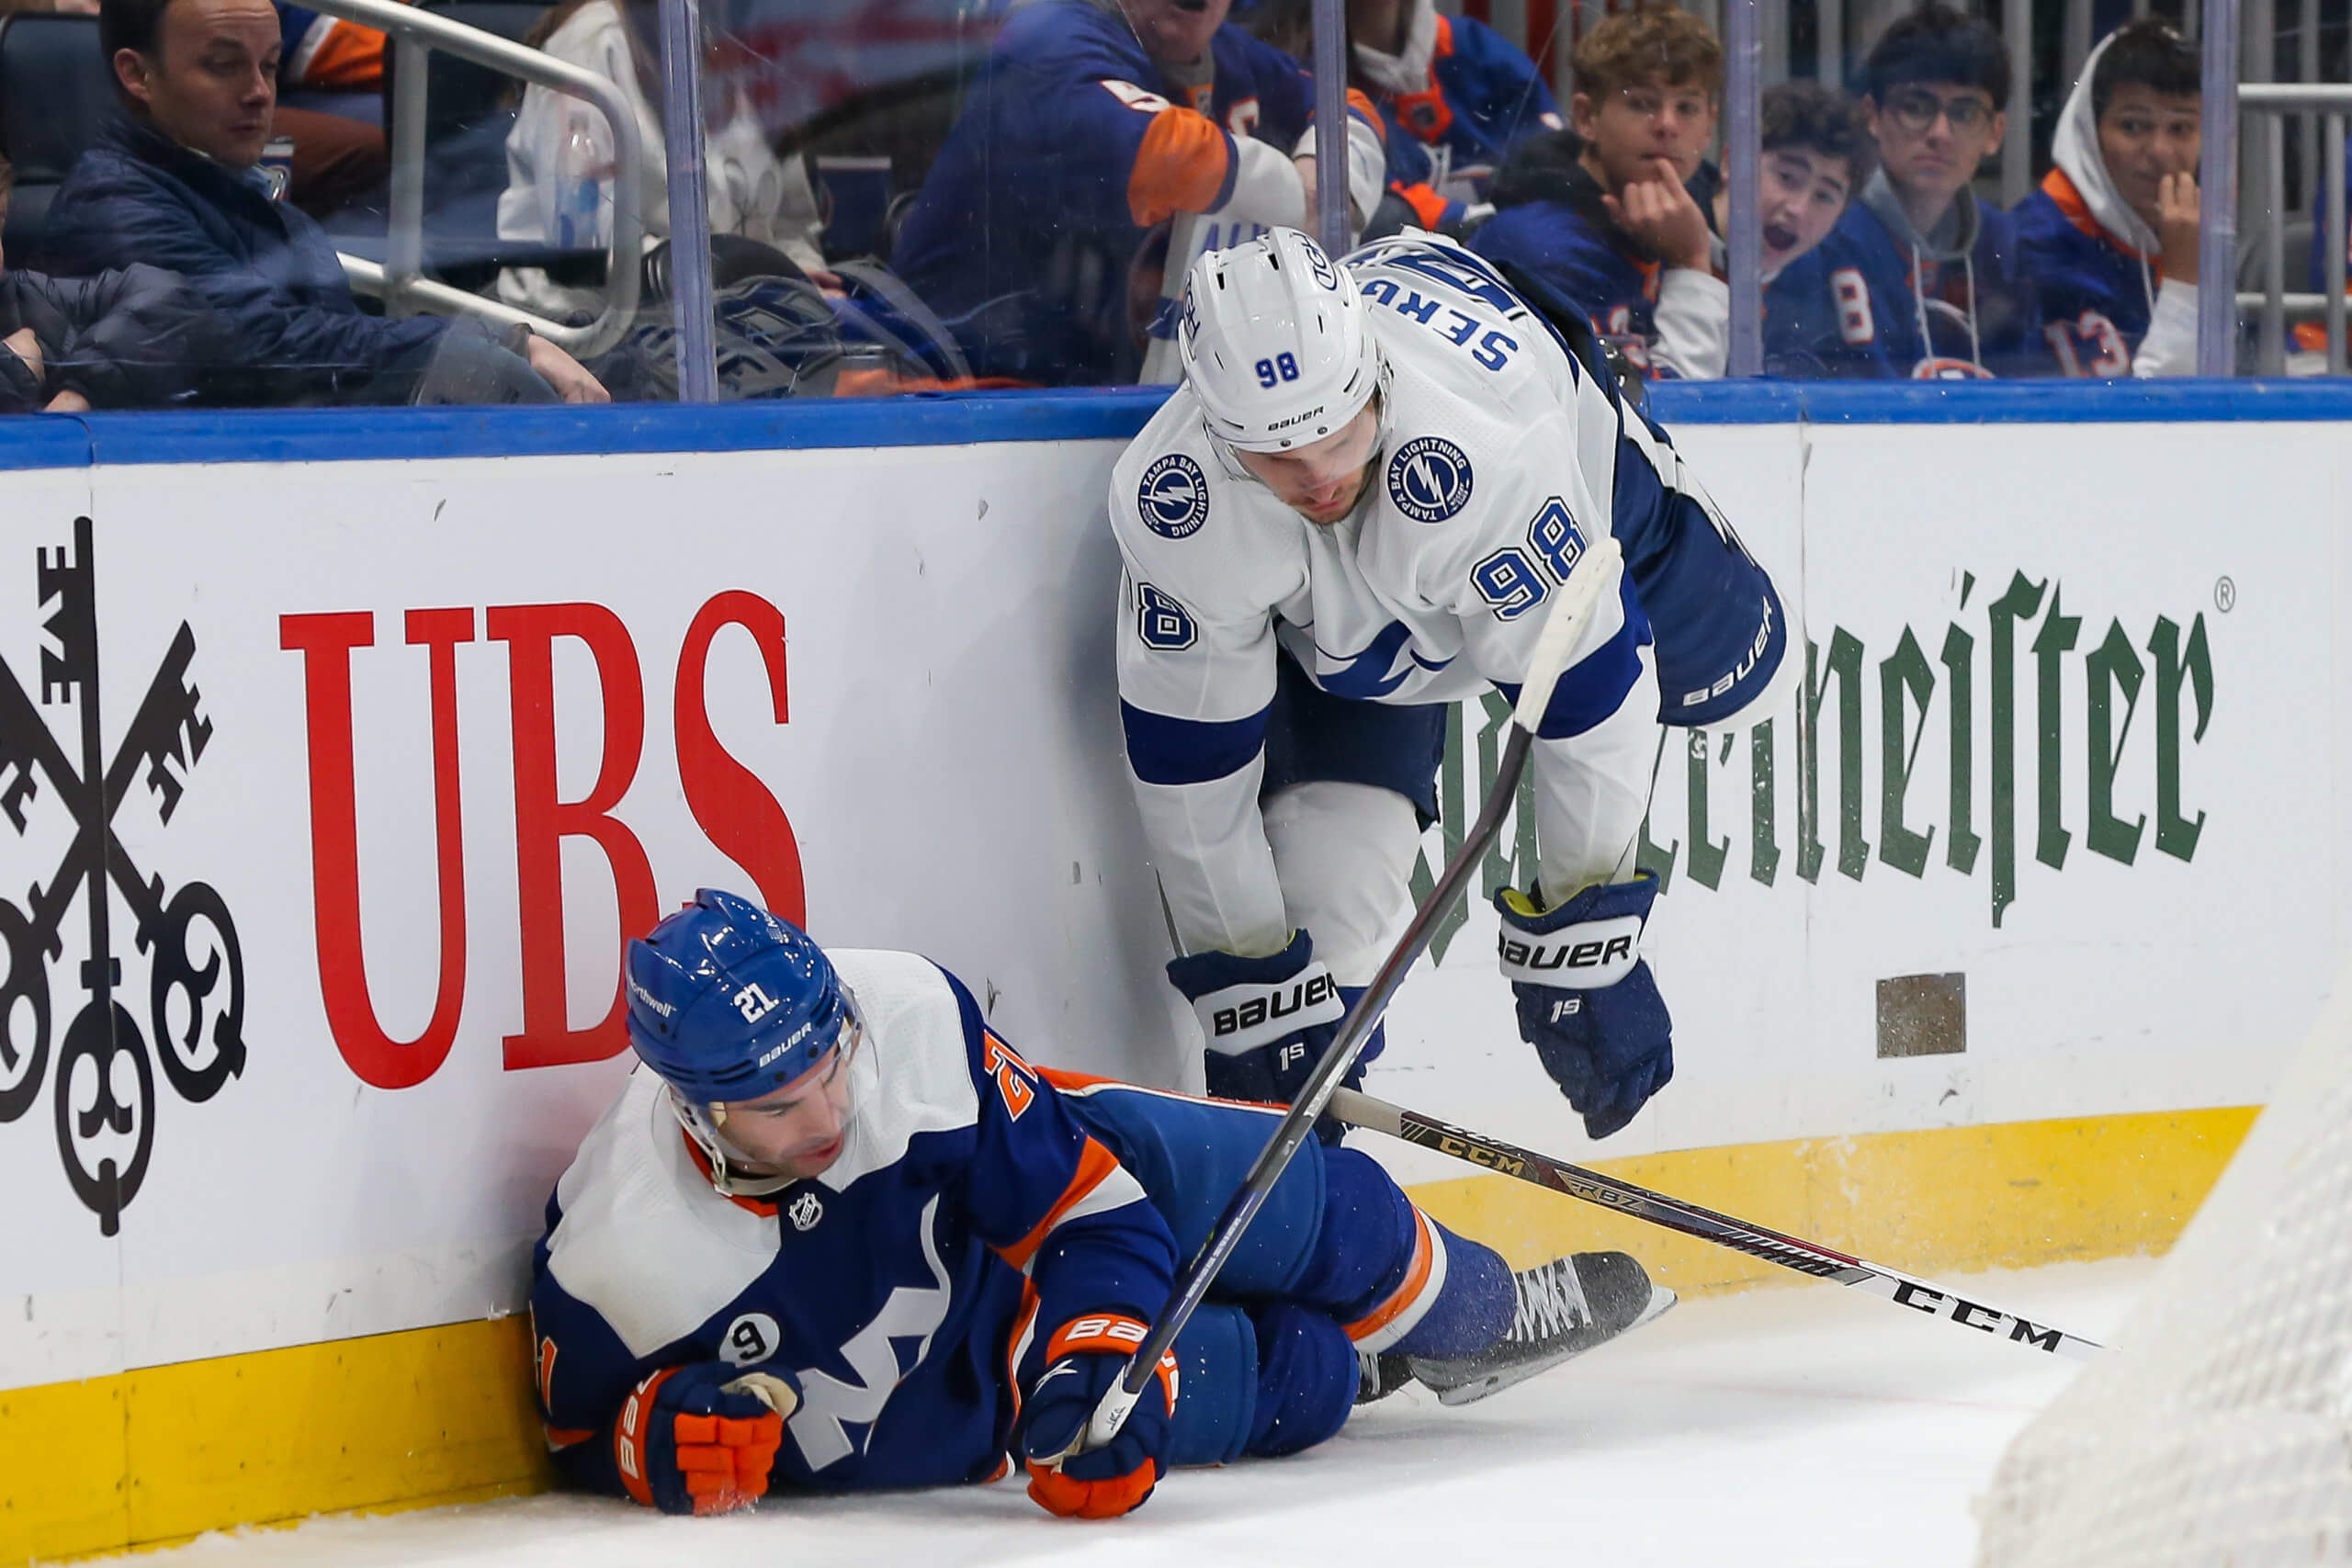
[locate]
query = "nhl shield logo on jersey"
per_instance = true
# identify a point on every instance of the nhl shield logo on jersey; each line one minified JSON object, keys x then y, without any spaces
{"x":1173,"y":497}
{"x":805,"y":1212}
{"x":1428,"y":479}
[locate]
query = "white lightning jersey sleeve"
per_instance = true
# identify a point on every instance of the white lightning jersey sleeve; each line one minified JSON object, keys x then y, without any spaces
{"x":1498,"y":461}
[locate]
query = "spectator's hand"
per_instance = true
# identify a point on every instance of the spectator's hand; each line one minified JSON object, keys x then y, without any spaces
{"x":566,"y":374}
{"x":68,"y":402}
{"x":27,"y":347}
{"x":830,"y":284}
{"x":2178,"y":225}
{"x":1660,"y":214}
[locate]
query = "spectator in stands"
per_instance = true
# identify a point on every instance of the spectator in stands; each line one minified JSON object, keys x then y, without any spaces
{"x":175,"y":181}
{"x":1095,"y":123}
{"x":1816,"y":156}
{"x":1606,"y":212}
{"x":559,"y":168}
{"x":2110,"y":238}
{"x":1455,"y":93}
{"x":335,"y":159}
{"x":1948,"y":294}
{"x":127,"y":339}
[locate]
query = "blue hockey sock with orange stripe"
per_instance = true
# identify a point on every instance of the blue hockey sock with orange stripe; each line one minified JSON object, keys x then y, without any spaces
{"x":1395,"y":1278}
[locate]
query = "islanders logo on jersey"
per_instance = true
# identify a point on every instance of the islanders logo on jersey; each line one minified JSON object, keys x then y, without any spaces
{"x":1173,"y":497}
{"x":1429,"y":479}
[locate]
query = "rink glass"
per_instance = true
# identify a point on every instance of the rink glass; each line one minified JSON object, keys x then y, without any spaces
{"x":879,"y":226}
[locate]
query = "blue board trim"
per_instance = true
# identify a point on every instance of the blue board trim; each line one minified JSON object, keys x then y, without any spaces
{"x":298,"y":435}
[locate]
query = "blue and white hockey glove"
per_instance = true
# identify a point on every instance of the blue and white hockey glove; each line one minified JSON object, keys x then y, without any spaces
{"x":1266,"y":1020}
{"x":1083,"y":1359}
{"x":701,"y":1439}
{"x":1587,"y":1001}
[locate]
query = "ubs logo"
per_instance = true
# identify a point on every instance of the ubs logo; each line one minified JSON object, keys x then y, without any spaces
{"x":1428,"y":479}
{"x":104,"y":1096}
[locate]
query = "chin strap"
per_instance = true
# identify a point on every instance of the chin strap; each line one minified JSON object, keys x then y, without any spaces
{"x":725,"y":1180}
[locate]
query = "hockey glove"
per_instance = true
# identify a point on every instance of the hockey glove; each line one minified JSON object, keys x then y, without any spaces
{"x":1266,"y":1020}
{"x":1587,"y":1001}
{"x":1082,"y":1363}
{"x":700,"y":1439}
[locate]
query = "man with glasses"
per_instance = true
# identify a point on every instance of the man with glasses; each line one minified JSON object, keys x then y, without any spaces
{"x":1929,"y":280}
{"x":1614,"y":213}
{"x":839,"y":1237}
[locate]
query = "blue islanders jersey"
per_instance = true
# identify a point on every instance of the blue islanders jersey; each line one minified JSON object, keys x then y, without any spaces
{"x":1819,"y":323}
{"x":1072,"y":146}
{"x":968,"y":1215}
{"x":2094,"y":290}
{"x":1668,"y":322}
{"x":1967,"y":318}
{"x":1483,"y":97}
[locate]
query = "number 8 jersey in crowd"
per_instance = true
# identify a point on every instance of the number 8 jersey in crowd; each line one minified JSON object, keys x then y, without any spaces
{"x":1502,"y":455}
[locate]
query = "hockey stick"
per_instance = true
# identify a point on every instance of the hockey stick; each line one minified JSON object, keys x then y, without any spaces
{"x":1586,"y":581}
{"x":1640,"y":1204}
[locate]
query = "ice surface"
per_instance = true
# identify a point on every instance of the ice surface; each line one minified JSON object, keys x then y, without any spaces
{"x":1798,"y":1427}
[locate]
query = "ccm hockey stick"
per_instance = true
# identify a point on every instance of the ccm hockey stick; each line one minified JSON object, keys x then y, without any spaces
{"x":1640,"y":1204}
{"x":1591,"y":575}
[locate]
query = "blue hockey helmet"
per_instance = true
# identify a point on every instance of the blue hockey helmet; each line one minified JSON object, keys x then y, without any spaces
{"x":727,"y":1003}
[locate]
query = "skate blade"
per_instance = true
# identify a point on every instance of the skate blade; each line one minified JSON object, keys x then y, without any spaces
{"x":1494,"y":1383}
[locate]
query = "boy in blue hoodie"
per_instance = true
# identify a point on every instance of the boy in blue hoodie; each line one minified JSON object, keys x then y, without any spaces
{"x":2112,"y":236}
{"x":1933,"y":277}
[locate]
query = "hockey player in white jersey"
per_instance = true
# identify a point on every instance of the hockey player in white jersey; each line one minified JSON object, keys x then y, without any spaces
{"x":1374,"y":478}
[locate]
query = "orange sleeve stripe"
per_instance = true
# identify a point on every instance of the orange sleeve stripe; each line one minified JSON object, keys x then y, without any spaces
{"x":1427,"y":205}
{"x":1096,"y":1164}
{"x":350,"y":57}
{"x":1361,"y":101}
{"x":1417,"y":1276}
{"x":1182,"y":166}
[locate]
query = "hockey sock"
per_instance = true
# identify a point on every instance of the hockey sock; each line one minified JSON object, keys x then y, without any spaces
{"x":1307,"y":1378}
{"x":1395,"y":1278}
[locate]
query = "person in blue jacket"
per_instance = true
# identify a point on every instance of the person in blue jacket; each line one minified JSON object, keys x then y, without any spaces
{"x":1616,"y":214}
{"x":176,"y":182}
{"x":1106,"y":142}
{"x":2112,"y":236}
{"x":1944,"y":290}
{"x":836,"y":1235}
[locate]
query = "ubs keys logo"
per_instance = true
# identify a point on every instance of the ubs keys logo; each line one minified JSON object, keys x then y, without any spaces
{"x":105,"y":1079}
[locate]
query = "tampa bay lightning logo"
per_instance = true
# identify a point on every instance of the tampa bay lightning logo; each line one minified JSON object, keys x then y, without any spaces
{"x":1429,"y":479}
{"x":1173,"y":497}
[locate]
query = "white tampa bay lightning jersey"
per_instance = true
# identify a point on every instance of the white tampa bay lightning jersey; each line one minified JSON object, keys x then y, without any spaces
{"x":1499,"y":459}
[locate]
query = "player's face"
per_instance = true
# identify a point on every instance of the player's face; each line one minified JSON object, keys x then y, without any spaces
{"x":2145,"y":135}
{"x":1799,"y":199}
{"x":212,"y":85}
{"x":796,"y":1131}
{"x":1322,"y":481}
{"x":1625,"y":130}
{"x":1175,"y":31}
{"x":1931,"y":136}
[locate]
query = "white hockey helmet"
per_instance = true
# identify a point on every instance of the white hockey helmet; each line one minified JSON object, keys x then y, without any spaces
{"x":1276,"y":343}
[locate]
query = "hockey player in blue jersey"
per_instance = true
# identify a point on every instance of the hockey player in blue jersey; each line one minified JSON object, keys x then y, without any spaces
{"x":1932,"y":278}
{"x":2112,"y":236}
{"x":837,"y":1235}
{"x":1376,"y":474}
{"x":1606,"y":214}
{"x":1095,"y":122}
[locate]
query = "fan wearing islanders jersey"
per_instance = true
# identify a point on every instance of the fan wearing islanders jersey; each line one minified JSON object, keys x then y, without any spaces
{"x":1456,"y":96}
{"x":1036,"y":235}
{"x":2112,"y":236}
{"x":836,"y":1235}
{"x":1358,"y":506}
{"x":1614,"y":213}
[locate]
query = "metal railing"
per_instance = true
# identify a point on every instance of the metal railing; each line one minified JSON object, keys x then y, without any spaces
{"x":398,"y":279}
{"x":2275,"y":102}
